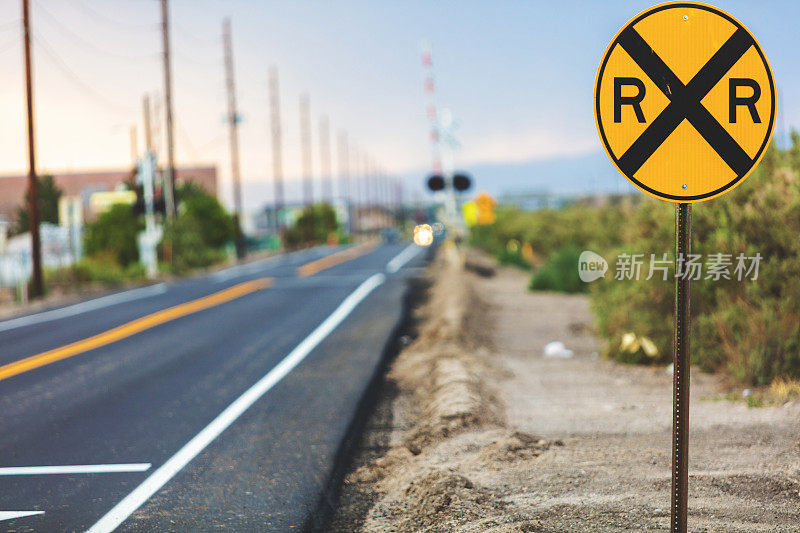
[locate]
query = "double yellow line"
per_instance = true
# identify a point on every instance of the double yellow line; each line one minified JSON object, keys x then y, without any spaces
{"x":134,"y":327}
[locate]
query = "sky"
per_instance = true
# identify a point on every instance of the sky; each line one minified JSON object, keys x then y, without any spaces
{"x":517,"y":75}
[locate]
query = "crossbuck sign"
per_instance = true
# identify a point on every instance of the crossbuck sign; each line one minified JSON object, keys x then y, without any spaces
{"x":685,"y":102}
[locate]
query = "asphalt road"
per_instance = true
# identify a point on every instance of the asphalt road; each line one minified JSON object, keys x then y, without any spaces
{"x":213,"y":402}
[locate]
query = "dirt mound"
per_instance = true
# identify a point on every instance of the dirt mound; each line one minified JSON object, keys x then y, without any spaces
{"x":515,"y":446}
{"x":453,"y":428}
{"x":439,"y":501}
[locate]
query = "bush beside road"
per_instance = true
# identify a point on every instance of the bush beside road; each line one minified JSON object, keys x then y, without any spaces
{"x":750,"y":330}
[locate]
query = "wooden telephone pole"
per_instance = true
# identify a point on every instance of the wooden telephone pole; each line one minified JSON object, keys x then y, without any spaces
{"x":325,"y":159}
{"x":37,"y":283}
{"x":148,"y":134}
{"x":344,"y":177}
{"x":233,"y":120}
{"x":277,"y":144}
{"x":305,"y":140}
{"x":169,"y":176}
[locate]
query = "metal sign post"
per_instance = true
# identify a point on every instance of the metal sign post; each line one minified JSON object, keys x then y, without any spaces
{"x":681,"y":364}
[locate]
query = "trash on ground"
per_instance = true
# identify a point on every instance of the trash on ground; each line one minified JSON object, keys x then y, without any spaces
{"x":557,"y":350}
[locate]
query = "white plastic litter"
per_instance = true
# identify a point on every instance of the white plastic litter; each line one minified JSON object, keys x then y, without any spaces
{"x":557,"y":350}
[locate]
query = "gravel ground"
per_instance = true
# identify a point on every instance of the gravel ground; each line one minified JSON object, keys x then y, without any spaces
{"x":578,"y":444}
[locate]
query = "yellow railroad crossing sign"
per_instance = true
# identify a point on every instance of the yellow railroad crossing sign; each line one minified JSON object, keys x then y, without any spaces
{"x":685,"y":101}
{"x":485,"y":209}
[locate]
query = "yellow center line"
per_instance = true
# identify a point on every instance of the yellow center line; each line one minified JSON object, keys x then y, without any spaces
{"x":134,"y":327}
{"x":335,"y":259}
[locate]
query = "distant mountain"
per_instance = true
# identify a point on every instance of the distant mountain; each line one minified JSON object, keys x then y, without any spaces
{"x":582,"y":175}
{"x":575,"y":175}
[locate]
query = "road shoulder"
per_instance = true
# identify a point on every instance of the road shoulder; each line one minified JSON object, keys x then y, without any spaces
{"x":477,"y":431}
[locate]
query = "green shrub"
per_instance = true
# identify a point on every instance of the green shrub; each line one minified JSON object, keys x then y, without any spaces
{"x":101,"y":268}
{"x":198,"y":236}
{"x":748,"y":329}
{"x":559,"y":273}
{"x":183,"y":238}
{"x":114,"y":233}
{"x":512,"y":257}
{"x":314,"y":226}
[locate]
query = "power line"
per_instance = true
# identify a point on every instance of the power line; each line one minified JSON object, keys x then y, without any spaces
{"x":186,"y":140}
{"x":4,"y":47}
{"x":88,"y":89}
{"x":192,"y":36}
{"x":88,"y":44}
{"x":109,"y":20}
{"x":216,"y":141}
{"x":11,"y":24}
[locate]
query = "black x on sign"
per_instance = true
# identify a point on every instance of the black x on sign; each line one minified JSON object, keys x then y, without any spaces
{"x":685,"y":101}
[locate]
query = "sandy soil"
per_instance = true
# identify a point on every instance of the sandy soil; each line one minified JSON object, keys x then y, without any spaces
{"x":477,"y":431}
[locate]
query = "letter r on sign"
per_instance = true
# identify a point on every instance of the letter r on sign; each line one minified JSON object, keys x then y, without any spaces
{"x":634,"y":101}
{"x":748,"y":101}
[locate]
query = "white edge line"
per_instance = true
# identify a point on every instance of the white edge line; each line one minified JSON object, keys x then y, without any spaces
{"x":11,"y":515}
{"x":128,"y":505}
{"x":73,"y":469}
{"x":83,"y":307}
{"x":402,"y":258}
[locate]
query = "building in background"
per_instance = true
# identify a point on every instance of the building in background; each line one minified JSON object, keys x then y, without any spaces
{"x":84,"y":184}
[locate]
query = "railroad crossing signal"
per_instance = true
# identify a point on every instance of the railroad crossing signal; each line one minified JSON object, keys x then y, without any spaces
{"x":685,"y":107}
{"x":685,"y":102}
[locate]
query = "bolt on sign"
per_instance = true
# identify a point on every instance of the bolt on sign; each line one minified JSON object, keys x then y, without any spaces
{"x":685,"y":102}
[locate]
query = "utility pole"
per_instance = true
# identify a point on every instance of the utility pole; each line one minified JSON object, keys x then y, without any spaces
{"x":233,"y":120}
{"x":148,"y":241}
{"x":356,"y":190}
{"x":365,"y":168}
{"x":169,"y":175}
{"x":158,"y":126}
{"x":37,"y":284}
{"x":277,"y":146}
{"x":325,"y":159}
{"x":305,"y":140}
{"x":148,"y":133}
{"x":387,"y":196}
{"x":134,"y":145}
{"x":344,"y":176}
{"x":400,"y":211}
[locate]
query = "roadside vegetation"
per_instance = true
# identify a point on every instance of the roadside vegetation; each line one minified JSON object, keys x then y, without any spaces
{"x":748,"y":329}
{"x":316,"y":225}
{"x":200,"y":236}
{"x":49,"y":195}
{"x":197,"y":238}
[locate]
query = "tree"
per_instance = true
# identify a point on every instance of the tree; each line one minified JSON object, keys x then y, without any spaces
{"x":200,"y":231}
{"x":114,"y":233}
{"x":49,"y":195}
{"x":203,"y":210}
{"x":313,"y":226}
